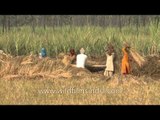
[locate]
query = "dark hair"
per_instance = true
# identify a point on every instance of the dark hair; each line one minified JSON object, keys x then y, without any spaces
{"x":110,"y":48}
{"x":72,"y":52}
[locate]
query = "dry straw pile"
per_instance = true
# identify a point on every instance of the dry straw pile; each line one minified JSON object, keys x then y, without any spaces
{"x":137,"y":57}
{"x":31,"y":67}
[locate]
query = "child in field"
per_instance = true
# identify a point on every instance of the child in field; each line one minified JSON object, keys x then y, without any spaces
{"x":109,"y":62}
{"x":125,"y":68}
{"x":81,"y":59}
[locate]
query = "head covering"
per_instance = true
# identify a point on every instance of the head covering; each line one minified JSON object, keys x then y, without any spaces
{"x":82,"y":50}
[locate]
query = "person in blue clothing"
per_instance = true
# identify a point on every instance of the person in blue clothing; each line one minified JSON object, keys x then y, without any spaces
{"x":43,"y":53}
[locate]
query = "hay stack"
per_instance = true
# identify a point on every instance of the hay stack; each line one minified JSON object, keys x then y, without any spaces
{"x":137,"y":57}
{"x":31,"y":67}
{"x":4,"y":57}
{"x":66,"y":60}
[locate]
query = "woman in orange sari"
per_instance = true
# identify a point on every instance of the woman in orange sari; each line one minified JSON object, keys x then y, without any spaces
{"x":125,"y":68}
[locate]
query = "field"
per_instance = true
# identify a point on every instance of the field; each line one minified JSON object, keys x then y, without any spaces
{"x":77,"y":92}
{"x":48,"y":81}
{"x":22,"y":41}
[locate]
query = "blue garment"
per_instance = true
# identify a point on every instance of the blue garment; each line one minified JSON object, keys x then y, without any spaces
{"x":43,"y":52}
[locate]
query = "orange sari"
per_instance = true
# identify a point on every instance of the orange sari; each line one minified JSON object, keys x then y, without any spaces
{"x":125,"y":68}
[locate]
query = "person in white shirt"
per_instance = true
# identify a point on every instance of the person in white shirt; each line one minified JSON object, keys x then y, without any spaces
{"x":81,"y":59}
{"x":109,"y":62}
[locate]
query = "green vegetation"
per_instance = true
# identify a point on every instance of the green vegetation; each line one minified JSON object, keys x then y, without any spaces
{"x":22,"y":40}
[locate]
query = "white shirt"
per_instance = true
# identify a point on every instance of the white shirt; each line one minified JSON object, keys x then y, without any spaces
{"x":109,"y":62}
{"x":81,"y":59}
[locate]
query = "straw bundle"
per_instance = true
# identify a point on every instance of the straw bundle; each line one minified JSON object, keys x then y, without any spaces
{"x":66,"y":60}
{"x":137,"y":57}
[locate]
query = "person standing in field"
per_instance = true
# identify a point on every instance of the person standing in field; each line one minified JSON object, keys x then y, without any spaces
{"x":109,"y":62}
{"x":72,"y":56}
{"x":125,"y":66}
{"x":81,"y":59}
{"x":43,"y":53}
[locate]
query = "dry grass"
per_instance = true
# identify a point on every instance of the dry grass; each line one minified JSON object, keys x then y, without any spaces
{"x":137,"y":57}
{"x":31,"y":67}
{"x":30,"y":80}
{"x":90,"y":90}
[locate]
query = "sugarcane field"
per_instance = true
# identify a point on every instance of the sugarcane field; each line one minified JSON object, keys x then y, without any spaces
{"x":79,"y":60}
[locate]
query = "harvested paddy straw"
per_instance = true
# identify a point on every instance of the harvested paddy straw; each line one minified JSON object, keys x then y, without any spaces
{"x":32,"y":67}
{"x":137,"y":57}
{"x":151,"y":68}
